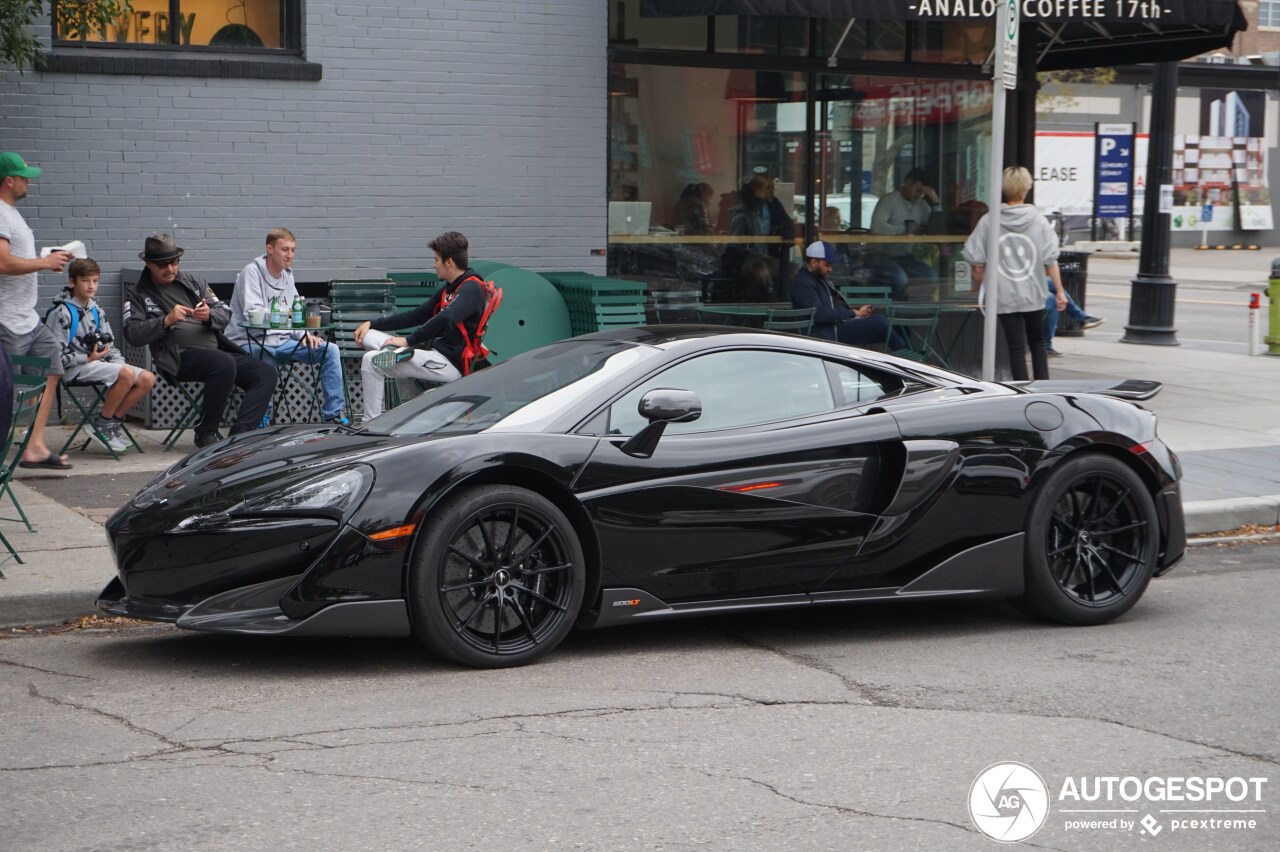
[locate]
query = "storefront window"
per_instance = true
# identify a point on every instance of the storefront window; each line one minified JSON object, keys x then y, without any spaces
{"x":714,"y":190}
{"x":628,"y":29}
{"x":867,"y":41}
{"x":227,"y":24}
{"x":767,"y":35}
{"x":952,"y":43}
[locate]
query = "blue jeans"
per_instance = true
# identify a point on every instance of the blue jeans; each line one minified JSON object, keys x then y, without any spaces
{"x":1051,"y":314}
{"x":330,"y":369}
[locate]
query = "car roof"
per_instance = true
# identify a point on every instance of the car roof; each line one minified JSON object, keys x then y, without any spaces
{"x":674,"y":338}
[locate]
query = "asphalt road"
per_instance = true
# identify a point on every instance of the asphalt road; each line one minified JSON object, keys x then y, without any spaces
{"x":1209,"y":318}
{"x":840,"y":728}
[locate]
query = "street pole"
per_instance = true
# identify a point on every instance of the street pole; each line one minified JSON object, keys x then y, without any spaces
{"x":1152,"y":293}
{"x":995,"y":191}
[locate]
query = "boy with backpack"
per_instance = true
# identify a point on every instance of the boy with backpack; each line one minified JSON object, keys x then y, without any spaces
{"x":447,"y":341}
{"x":87,"y":354}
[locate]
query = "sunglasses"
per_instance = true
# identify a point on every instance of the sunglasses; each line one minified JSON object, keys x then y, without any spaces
{"x":164,"y":264}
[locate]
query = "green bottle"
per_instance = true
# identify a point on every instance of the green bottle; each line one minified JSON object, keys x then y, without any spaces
{"x":275,"y":312}
{"x":296,"y":310}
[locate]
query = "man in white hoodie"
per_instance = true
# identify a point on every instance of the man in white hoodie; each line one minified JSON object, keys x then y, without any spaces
{"x":271,"y":277}
{"x":1028,"y":252}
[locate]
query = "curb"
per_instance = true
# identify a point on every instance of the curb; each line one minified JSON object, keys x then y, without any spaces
{"x":1209,"y":516}
{"x":44,"y":608}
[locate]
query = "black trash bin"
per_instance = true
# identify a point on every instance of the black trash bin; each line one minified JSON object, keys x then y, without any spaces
{"x":1074,"y":268}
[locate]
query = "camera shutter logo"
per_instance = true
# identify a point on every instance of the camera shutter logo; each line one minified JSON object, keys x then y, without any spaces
{"x":1008,"y":802}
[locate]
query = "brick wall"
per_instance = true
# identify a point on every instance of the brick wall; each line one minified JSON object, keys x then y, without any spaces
{"x":485,"y":116}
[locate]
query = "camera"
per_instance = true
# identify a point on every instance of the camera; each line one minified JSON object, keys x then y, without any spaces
{"x":95,"y":340}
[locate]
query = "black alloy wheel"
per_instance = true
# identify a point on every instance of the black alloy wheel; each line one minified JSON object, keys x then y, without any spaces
{"x":497,"y":579}
{"x":1092,"y":542}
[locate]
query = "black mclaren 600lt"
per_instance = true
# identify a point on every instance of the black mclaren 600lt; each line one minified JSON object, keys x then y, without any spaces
{"x":651,"y":473}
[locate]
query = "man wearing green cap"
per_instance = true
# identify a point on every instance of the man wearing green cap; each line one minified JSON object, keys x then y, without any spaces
{"x":21,"y":331}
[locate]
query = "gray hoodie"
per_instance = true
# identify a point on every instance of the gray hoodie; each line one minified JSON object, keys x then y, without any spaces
{"x":1028,"y":246}
{"x":66,"y":313}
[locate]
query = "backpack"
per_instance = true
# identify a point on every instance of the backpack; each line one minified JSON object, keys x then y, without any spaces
{"x":75,"y":313}
{"x":474,"y":352}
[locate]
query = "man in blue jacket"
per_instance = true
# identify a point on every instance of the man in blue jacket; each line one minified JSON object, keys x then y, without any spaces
{"x":434,"y":352}
{"x":833,"y":318}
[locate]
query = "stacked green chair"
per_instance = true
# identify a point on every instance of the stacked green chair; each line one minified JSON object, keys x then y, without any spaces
{"x":352,"y":303}
{"x":596,"y":303}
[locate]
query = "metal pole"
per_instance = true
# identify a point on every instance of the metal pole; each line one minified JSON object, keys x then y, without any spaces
{"x":1152,"y":292}
{"x":991,"y":277}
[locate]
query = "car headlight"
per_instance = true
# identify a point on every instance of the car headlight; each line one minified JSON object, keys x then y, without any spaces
{"x":338,"y":491}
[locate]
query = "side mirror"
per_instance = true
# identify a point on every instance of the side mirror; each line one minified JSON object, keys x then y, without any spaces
{"x":661,"y":406}
{"x":670,"y":405}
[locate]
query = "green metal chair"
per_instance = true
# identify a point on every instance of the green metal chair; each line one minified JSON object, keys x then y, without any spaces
{"x":191,"y":410}
{"x":29,"y":383}
{"x":87,"y":413}
{"x":676,"y":305}
{"x":858,"y":295}
{"x":919,"y":324}
{"x":794,"y":320}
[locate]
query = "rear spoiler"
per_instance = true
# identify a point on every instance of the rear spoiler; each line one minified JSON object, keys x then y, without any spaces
{"x":1134,"y":389}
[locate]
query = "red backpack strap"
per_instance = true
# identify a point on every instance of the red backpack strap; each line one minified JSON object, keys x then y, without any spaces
{"x":473,"y":348}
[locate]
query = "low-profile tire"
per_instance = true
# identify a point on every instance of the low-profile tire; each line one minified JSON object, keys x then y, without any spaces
{"x":1092,"y":542}
{"x":497,"y":577}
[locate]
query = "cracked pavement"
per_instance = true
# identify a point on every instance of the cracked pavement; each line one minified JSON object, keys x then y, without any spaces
{"x":834,"y":728}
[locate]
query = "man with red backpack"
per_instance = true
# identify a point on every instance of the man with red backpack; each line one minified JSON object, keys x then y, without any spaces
{"x":446,"y":342}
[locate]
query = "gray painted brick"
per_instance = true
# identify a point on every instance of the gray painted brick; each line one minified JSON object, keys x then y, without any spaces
{"x":482,"y":115}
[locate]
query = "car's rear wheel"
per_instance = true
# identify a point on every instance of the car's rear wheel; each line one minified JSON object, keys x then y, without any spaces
{"x":1092,"y":542}
{"x":497,"y":577}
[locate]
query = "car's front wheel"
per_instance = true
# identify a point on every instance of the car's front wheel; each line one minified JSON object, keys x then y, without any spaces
{"x":1092,"y":542}
{"x":497,"y":577}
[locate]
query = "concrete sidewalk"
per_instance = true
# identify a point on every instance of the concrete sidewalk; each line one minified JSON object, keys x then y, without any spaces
{"x":1219,"y":411}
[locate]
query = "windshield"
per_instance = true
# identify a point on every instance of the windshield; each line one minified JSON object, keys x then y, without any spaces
{"x":522,"y":394}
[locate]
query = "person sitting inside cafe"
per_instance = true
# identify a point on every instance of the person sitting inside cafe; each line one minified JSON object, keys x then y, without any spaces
{"x":906,"y":212}
{"x":833,"y":317}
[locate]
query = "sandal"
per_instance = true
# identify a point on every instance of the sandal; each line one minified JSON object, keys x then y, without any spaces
{"x":51,"y":461}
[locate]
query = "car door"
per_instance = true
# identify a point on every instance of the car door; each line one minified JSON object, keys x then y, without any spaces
{"x":765,"y":494}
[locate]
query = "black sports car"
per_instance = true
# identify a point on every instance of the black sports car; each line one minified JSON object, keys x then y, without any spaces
{"x":652,"y":473}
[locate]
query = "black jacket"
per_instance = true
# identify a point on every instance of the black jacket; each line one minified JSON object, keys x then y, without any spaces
{"x":810,"y":291}
{"x":439,"y":331}
{"x":144,"y":318}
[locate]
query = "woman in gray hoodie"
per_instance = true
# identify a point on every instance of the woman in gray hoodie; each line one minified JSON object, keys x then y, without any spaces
{"x":1028,"y":251}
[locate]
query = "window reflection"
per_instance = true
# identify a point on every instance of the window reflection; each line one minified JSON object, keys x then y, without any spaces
{"x":231,"y":24}
{"x":730,"y":386}
{"x":712,"y":190}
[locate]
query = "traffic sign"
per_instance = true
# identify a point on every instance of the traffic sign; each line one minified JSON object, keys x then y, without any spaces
{"x":1009,"y":69}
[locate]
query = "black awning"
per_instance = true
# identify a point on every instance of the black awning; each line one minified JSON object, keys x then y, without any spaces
{"x":1078,"y":33}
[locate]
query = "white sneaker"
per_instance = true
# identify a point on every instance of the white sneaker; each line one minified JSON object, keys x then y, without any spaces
{"x":115,"y":440}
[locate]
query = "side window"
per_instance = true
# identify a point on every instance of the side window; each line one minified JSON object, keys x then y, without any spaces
{"x":858,"y":387}
{"x":740,"y":388}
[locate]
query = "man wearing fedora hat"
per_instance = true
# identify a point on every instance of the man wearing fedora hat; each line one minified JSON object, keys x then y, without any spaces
{"x":21,"y":331}
{"x":182,"y":320}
